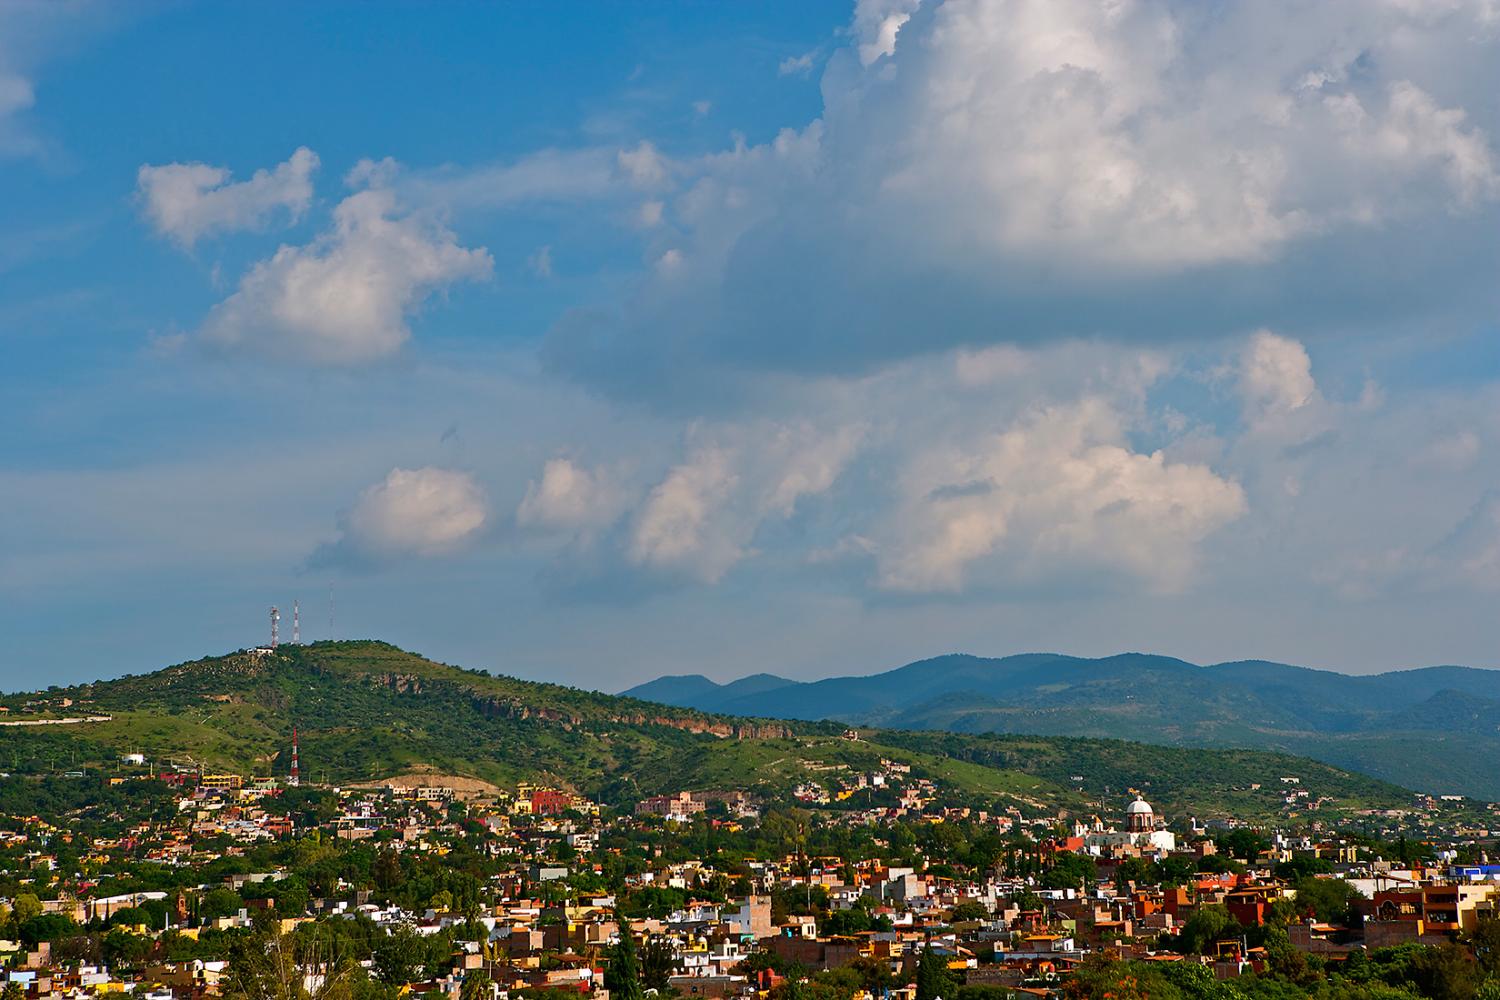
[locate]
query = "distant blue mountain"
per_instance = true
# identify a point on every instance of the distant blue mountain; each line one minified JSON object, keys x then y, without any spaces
{"x":1434,"y":728}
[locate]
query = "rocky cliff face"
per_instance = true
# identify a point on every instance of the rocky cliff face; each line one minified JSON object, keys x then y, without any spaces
{"x":492,"y":706}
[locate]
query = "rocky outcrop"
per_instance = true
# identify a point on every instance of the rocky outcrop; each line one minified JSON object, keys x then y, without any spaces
{"x":400,"y":683}
{"x":493,"y":706}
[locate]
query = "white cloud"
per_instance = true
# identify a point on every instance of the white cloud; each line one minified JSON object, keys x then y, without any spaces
{"x":877,"y":24}
{"x":644,"y":166}
{"x":1034,"y":170}
{"x":1109,"y":130}
{"x":345,"y":298}
{"x":549,"y":175}
{"x":702,"y":518}
{"x":414,"y":512}
{"x":1415,"y":132}
{"x":571,"y":498}
{"x":1275,"y":377}
{"x":186,"y":201}
{"x":676,"y":529}
{"x":805,"y":462}
{"x":1058,"y":491}
{"x":797,"y":65}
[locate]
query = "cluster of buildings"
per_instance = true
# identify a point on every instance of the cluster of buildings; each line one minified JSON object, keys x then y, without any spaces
{"x":544,"y":923}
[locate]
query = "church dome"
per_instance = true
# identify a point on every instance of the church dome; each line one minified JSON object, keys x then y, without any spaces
{"x":1140,"y":807}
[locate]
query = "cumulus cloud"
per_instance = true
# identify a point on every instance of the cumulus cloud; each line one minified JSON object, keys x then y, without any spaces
{"x":346,"y":297}
{"x":411,"y":513}
{"x":876,"y":25}
{"x":702,"y":518}
{"x":1036,"y":170}
{"x":1275,"y":377}
{"x":1060,"y":488}
{"x":571,"y":498}
{"x":186,"y":201}
{"x":676,"y":529}
{"x":1000,"y":467}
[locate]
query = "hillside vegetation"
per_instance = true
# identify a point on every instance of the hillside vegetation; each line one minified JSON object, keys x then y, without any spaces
{"x":367,"y":710}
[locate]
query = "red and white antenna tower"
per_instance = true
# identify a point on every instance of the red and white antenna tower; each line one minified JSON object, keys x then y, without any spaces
{"x":295,"y":778}
{"x":275,"y":627}
{"x":296,"y":624}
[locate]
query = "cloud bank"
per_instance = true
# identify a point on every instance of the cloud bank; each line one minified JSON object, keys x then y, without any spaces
{"x":1033,"y":170}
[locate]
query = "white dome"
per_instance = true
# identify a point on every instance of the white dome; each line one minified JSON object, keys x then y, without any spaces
{"x":1140,"y":807}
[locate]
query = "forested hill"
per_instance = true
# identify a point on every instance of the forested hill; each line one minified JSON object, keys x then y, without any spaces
{"x":367,"y":710}
{"x":1436,"y":728}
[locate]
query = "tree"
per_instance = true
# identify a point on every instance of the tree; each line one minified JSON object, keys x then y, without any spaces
{"x":1099,"y":977}
{"x":1207,"y":926}
{"x":933,"y":980}
{"x":1069,"y":871}
{"x":1242,"y":843}
{"x":874,"y":974}
{"x":1326,"y":898}
{"x":26,"y":907}
{"x":1445,"y":973}
{"x":400,"y":957}
{"x":623,"y":977}
{"x":970,"y":909}
{"x":271,"y":968}
{"x":120,"y":947}
{"x":1484,"y":941}
{"x":221,"y":902}
{"x":658,"y":964}
{"x":1131,"y":870}
{"x":477,"y":986}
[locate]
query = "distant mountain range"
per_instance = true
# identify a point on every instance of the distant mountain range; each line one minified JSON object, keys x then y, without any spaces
{"x":1436,"y":729}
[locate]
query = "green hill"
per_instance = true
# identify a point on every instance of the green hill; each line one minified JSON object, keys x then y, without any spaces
{"x":367,"y":710}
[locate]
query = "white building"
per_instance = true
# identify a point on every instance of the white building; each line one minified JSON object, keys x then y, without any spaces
{"x":1144,"y":830}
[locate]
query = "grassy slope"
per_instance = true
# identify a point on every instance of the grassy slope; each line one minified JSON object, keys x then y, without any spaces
{"x":367,"y":709}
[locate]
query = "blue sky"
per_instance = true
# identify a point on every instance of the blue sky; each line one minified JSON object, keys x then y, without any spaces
{"x":591,"y":342}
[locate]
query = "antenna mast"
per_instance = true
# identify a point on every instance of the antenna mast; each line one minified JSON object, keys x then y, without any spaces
{"x":296,"y":623}
{"x":275,"y":627}
{"x":295,"y":778}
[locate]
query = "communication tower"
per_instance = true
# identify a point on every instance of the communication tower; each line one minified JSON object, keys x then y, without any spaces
{"x":295,"y":778}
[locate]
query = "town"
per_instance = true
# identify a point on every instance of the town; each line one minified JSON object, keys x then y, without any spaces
{"x":169,"y":882}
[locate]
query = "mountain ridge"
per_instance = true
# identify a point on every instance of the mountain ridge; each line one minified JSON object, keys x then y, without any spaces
{"x":367,"y":710}
{"x":1367,"y":722}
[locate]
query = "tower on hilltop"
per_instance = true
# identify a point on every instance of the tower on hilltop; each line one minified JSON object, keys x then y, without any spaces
{"x":295,"y":778}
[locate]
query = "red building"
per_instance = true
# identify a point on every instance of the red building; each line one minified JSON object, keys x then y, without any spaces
{"x":550,"y":802}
